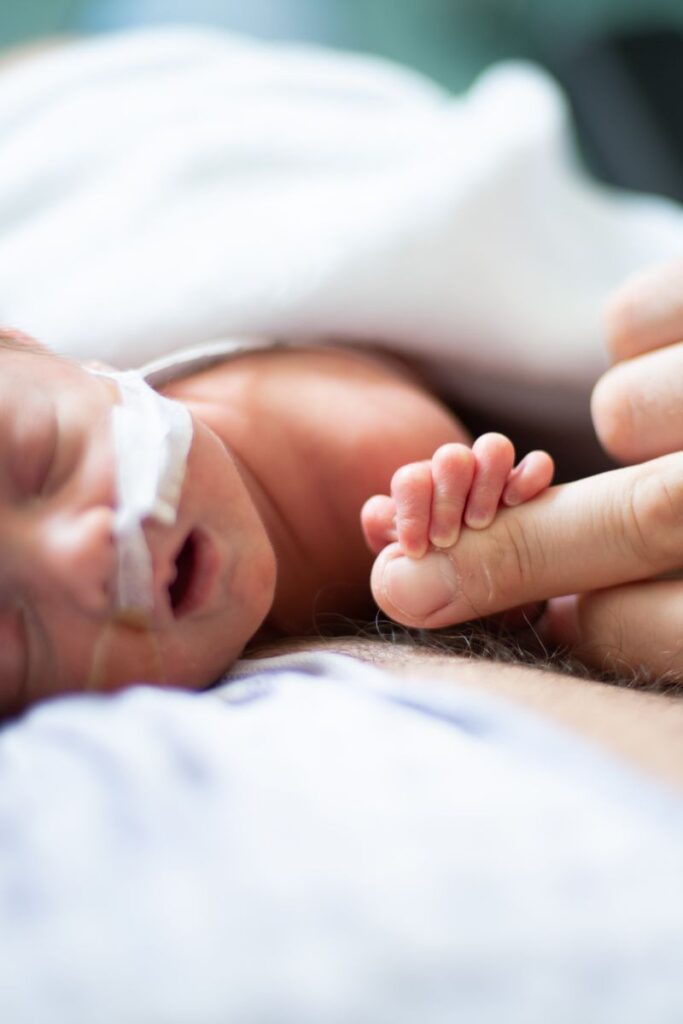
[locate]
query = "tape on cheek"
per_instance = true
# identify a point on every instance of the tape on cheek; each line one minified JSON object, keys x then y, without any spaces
{"x":152,"y":440}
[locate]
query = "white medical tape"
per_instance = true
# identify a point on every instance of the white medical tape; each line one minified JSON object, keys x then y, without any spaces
{"x":152,"y":439}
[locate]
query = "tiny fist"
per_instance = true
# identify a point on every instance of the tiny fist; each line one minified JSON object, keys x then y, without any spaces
{"x":413,"y":590}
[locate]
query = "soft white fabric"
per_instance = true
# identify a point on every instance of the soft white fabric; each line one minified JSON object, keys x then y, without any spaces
{"x":319,"y":844}
{"x":322,"y":844}
{"x":167,"y":186}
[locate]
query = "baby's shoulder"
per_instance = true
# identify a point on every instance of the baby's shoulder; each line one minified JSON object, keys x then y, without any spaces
{"x":193,"y":359}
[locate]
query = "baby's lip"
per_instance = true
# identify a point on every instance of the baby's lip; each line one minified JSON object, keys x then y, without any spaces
{"x":195,"y":570}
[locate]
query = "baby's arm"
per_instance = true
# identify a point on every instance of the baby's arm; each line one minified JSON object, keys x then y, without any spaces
{"x":430,"y":501}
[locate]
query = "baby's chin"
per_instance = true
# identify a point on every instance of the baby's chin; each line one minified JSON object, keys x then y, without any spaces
{"x":218,"y":502}
{"x":153,"y":659}
{"x":202,"y":666}
{"x":210,"y":655}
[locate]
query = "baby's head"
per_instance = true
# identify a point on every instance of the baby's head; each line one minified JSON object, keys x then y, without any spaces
{"x":61,"y":624}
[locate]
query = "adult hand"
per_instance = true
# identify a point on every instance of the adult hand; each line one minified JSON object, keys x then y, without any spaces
{"x":614,"y":528}
{"x":600,"y":536}
{"x":638,"y":404}
{"x":638,"y":414}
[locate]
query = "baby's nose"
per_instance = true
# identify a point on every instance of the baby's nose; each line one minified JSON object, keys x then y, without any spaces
{"x":75,"y":557}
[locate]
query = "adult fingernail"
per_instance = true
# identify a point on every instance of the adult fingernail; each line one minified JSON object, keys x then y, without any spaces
{"x":419,"y":587}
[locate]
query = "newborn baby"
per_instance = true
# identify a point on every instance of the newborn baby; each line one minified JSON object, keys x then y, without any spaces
{"x":288,"y":445}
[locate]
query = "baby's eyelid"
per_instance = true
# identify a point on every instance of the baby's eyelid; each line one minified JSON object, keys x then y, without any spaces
{"x":62,"y":457}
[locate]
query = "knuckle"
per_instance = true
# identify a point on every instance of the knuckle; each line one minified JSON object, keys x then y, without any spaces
{"x":654,"y":518}
{"x":409,"y":478}
{"x":522,"y":556}
{"x":450,"y":458}
{"x":447,"y":505}
{"x":494,"y":442}
{"x":510,"y":564}
{"x":402,"y":478}
{"x":449,"y":450}
{"x":505,"y":447}
{"x":411,"y":522}
{"x":452,"y":478}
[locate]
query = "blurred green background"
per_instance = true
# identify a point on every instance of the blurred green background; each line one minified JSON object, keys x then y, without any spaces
{"x":449,"y":39}
{"x":22,"y":21}
{"x":619,"y":61}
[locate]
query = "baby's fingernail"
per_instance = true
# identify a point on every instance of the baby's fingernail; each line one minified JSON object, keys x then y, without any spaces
{"x":444,"y":540}
{"x":511,"y":498}
{"x":477,"y":520}
{"x":419,"y":588}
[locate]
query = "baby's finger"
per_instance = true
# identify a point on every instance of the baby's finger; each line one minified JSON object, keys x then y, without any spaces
{"x":452,"y":474}
{"x":533,"y":475}
{"x":494,"y":457}
{"x":378,"y":520}
{"x":411,"y":489}
{"x":614,"y":528}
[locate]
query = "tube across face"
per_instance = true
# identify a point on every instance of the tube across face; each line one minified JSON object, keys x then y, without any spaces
{"x":152,"y":440}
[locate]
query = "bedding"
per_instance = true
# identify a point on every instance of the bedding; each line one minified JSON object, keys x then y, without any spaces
{"x":315,"y":840}
{"x":166,"y":186}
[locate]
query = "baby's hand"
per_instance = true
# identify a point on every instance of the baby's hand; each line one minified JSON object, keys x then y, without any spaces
{"x":430,"y":501}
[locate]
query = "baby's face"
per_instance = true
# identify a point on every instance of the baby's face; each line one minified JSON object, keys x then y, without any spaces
{"x":214,"y":569}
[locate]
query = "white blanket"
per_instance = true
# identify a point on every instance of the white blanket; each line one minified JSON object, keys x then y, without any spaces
{"x":168,"y":186}
{"x":322,"y":844}
{"x":318,"y":844}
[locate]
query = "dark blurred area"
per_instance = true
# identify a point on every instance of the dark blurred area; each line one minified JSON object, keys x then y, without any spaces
{"x":624,"y":89}
{"x":620,"y":61}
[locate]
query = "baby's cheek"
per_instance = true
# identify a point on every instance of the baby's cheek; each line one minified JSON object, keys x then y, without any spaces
{"x":12,"y":658}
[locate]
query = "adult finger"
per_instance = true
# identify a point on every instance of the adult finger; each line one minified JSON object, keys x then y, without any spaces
{"x":614,"y":528}
{"x":637,"y":406}
{"x":646,"y":312}
{"x":636,"y":628}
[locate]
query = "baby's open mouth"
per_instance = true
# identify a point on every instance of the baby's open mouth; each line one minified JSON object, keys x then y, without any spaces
{"x":196,"y":567}
{"x":184,"y":566}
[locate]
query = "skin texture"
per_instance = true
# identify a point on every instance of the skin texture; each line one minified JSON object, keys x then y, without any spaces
{"x":637,"y":414}
{"x":459,"y":487}
{"x":57,"y":622}
{"x":277,"y":482}
{"x":310,"y":469}
{"x":273,"y":483}
{"x":635,"y":410}
{"x":646,"y":728}
{"x":617,"y":527}
{"x":610,"y":537}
